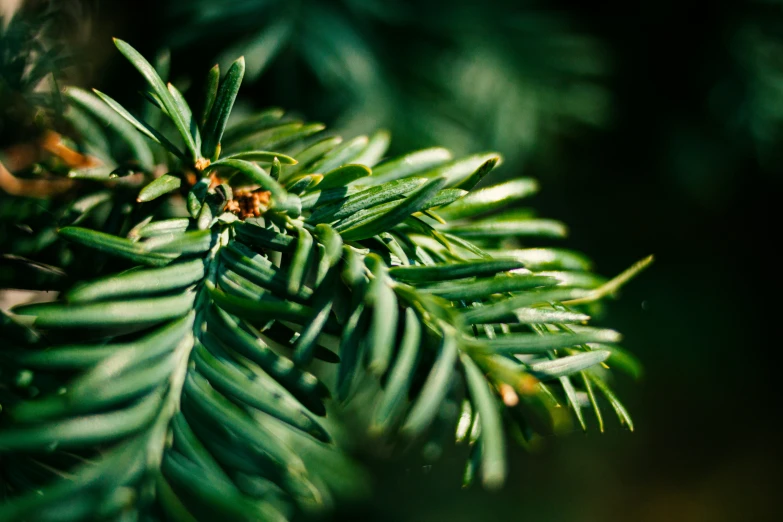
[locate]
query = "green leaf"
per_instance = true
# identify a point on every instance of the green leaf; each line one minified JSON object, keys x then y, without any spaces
{"x":563,"y":366}
{"x":210,"y":92}
{"x":239,"y":286}
{"x":394,"y":246}
{"x":332,"y":241}
{"x":142,"y":127}
{"x":114,"y":381}
{"x":115,"y":246}
{"x":417,"y":224}
{"x":257,"y":269}
{"x":206,"y":216}
{"x":413,"y":163}
{"x":353,"y":272}
{"x":340,"y":155}
{"x":154,"y":100}
{"x":217,"y":409}
{"x":83,"y":207}
{"x":332,"y":244}
{"x":300,"y":261}
{"x":194,"y":242}
{"x":400,"y":376}
{"x":618,"y":407}
{"x":80,"y":432}
{"x":397,"y":214}
{"x":108,"y":314}
{"x":464,"y":170}
{"x":91,"y":129}
{"x":264,"y":237}
{"x":545,"y":315}
{"x":306,"y":342}
{"x":466,"y":418}
{"x":223,"y":499}
{"x":350,"y":344}
{"x":483,"y":288}
{"x":221,"y":109}
{"x":479,"y":174}
{"x":575,"y":279}
{"x":300,"y":184}
{"x":186,"y":442}
{"x":196,"y":197}
{"x":593,"y":402}
{"x":253,"y":310}
{"x":366,"y":215}
{"x":99,"y":173}
{"x":613,"y":285}
{"x":364,"y":199}
{"x":149,"y":73}
{"x":490,"y":198}
{"x":534,"y":343}
{"x":375,"y":149}
{"x":139,"y":282}
{"x":312,"y":154}
{"x":318,"y":198}
{"x":467,"y":246}
{"x":139,"y":149}
{"x":170,"y":503}
{"x":342,"y":176}
{"x":303,"y":385}
{"x":445,"y":272}
{"x":434,"y":389}
{"x":383,"y":326}
{"x":474,"y":462}
{"x":277,"y":167}
{"x":78,"y":356}
{"x":163,"y":185}
{"x":525,"y":227}
{"x":572,"y":398}
{"x":260,"y":156}
{"x":277,"y":136}
{"x":493,"y":462}
{"x":185,"y":114}
{"x":252,"y":124}
{"x":545,"y":258}
{"x":429,"y":305}
{"x":163,"y":227}
{"x":255,"y":389}
{"x":446,"y":196}
{"x":495,"y":312}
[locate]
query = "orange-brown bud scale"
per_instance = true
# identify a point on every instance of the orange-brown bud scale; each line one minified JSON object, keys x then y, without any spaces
{"x":248,"y":203}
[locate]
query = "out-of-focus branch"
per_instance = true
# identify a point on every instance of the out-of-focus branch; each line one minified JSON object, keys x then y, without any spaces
{"x":21,"y":156}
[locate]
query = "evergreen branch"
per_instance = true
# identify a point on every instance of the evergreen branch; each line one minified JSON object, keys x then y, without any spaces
{"x":206,"y":381}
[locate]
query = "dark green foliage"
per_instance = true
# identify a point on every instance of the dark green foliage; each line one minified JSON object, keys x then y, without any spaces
{"x":510,"y":76}
{"x":28,"y":58}
{"x":201,"y":371}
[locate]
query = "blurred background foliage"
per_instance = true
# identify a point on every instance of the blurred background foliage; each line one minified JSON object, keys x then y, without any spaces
{"x":507,"y":78}
{"x":656,"y":128}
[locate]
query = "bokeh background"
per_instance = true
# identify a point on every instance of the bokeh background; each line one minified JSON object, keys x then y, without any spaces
{"x":653,"y":129}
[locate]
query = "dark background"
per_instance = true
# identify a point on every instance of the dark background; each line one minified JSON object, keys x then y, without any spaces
{"x":670,"y":172}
